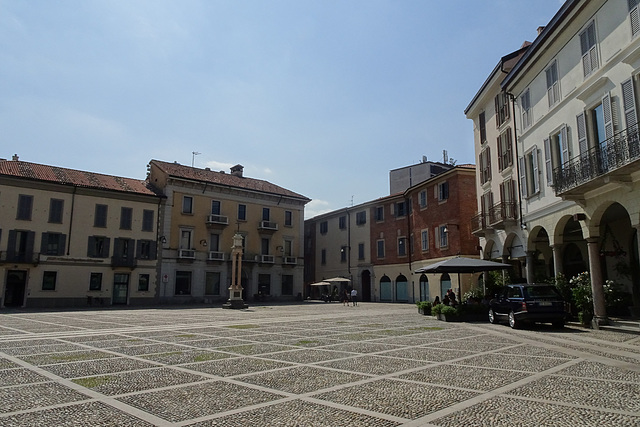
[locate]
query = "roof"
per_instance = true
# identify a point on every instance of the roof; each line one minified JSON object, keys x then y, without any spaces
{"x":177,"y":170}
{"x":72,"y":177}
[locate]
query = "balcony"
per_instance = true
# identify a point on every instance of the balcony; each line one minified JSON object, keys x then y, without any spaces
{"x":290,"y":260}
{"x":186,"y":254}
{"x":268,"y":226}
{"x":20,"y":257}
{"x":479,"y":225}
{"x":217,"y":221}
{"x":612,"y":161}
{"x":503,"y":214}
{"x":215,"y":256}
{"x":267,"y":259}
{"x":123,"y":261}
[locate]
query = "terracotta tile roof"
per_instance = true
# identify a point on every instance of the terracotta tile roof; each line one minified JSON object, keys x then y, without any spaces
{"x":54,"y":174}
{"x":221,"y":178}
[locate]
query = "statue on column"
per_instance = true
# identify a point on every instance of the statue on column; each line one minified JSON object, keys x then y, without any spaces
{"x":235,"y":290}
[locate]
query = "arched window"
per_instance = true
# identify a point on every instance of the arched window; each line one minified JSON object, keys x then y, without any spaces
{"x":386,"y":293}
{"x":424,"y":288}
{"x":402,"y":289}
{"x":445,"y":284}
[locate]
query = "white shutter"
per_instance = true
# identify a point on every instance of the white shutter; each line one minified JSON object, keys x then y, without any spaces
{"x":536,"y":172}
{"x":581,"y":126}
{"x":634,"y":17}
{"x":607,"y":113}
{"x":629,"y":104}
{"x":523,"y":176}
{"x":564,"y":135}
{"x":547,"y":161}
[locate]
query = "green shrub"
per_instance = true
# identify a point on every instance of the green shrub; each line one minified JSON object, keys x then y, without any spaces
{"x":448,"y":310}
{"x":581,"y":292}
{"x":425,"y":307}
{"x":437,"y":309}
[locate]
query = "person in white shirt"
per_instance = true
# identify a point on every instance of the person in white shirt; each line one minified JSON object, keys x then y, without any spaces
{"x":354,"y":297}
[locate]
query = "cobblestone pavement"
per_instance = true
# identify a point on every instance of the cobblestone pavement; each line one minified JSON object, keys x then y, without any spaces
{"x":311,"y":364}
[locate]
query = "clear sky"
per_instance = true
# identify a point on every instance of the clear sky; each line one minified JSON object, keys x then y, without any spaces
{"x":321,"y":97}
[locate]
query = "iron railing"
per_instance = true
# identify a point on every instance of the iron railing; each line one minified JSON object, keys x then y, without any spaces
{"x":612,"y":154}
{"x":503,"y":211}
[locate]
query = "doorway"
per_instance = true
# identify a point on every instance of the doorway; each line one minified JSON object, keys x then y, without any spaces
{"x":15,"y":287}
{"x":120,"y":288}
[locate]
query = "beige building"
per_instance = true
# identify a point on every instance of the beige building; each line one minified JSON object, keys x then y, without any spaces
{"x":74,"y":238}
{"x":578,"y":146}
{"x":204,"y":209}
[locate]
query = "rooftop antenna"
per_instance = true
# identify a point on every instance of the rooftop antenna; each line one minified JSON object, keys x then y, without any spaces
{"x":351,"y":200}
{"x":193,"y":157}
{"x":445,"y":157}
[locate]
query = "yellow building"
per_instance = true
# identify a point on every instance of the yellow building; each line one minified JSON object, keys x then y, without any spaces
{"x":204,"y":209}
{"x":74,"y":238}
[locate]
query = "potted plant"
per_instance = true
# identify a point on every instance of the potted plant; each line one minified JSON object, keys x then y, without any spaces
{"x":583,"y":298}
{"x":436,"y":309}
{"x":449,"y":314}
{"x":424,"y":308}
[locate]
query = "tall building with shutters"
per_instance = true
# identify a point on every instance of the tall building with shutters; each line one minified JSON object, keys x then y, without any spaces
{"x":578,"y":148}
{"x":75,"y":238}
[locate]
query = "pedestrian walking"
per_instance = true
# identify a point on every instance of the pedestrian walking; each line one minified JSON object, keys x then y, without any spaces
{"x":354,"y":297}
{"x":345,"y":298}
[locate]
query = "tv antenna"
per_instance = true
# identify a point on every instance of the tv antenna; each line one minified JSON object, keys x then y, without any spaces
{"x":193,"y":157}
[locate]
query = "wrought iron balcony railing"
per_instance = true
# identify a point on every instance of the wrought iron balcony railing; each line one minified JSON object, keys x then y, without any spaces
{"x":502,"y":212}
{"x":611,"y":155}
{"x":479,"y":224}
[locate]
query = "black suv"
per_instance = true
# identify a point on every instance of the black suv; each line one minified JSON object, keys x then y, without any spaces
{"x":528,"y":303}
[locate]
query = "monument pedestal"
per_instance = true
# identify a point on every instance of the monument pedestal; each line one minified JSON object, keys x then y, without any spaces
{"x":235,"y":300}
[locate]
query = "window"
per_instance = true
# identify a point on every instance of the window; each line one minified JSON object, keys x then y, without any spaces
{"x":266,"y":214}
{"x":20,"y":245}
{"x":588,"y":49}
{"x":443,"y":191}
{"x":505,"y":156}
{"x":288,"y":248}
{"x":402,"y":246}
{"x":147,"y":220}
{"x":508,"y":196}
{"x":424,"y":240}
{"x":482,"y":125}
{"x":502,"y":108}
{"x":323,"y":256}
{"x":343,"y":254}
{"x":288,"y":218}
{"x":264,"y":246}
{"x":485,"y":166}
{"x":53,"y":243}
{"x":553,"y":87}
{"x":100,"y":219}
{"x":95,"y":282}
{"x":98,"y":247}
{"x":360,"y":251}
{"x":264,"y":284}
{"x":529,"y":173}
{"x":422,"y":197}
{"x":486,"y":202}
{"x":379,"y":213}
{"x":187,"y":204}
{"x":212,"y":283}
{"x":143,"y":282}
{"x":342,"y":222}
{"x":146,"y":249}
{"x":324,"y":227}
{"x":123,"y":250}
{"x":361,"y":218}
{"x":215,"y":207}
{"x":629,"y":105}
{"x":525,"y":106}
{"x":380,"y":247}
{"x":183,"y":283}
{"x":126,"y":216}
{"x":242,"y":212}
{"x":25,"y":206}
{"x":443,"y":234}
{"x":287,"y":284}
{"x":49,"y":280}
{"x":634,"y":16}
{"x":556,"y":152}
{"x":400,"y":209}
{"x":214,"y":242}
{"x":185,"y":239}
{"x":55,"y":211}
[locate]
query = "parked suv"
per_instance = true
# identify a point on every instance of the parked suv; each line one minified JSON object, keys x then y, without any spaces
{"x":524,"y":303}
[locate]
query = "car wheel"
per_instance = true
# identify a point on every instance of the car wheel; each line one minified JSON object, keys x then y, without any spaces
{"x":492,"y":316}
{"x":512,"y":321}
{"x":558,"y":324}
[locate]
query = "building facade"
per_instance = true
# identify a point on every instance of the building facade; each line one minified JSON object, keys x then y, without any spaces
{"x":575,"y":92}
{"x":498,"y":220}
{"x":75,"y":238}
{"x":204,"y":209}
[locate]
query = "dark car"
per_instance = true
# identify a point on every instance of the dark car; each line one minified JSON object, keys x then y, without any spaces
{"x":528,"y":303}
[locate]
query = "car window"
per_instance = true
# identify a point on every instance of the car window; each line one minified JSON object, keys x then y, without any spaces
{"x":514,"y":293}
{"x":541,"y":292}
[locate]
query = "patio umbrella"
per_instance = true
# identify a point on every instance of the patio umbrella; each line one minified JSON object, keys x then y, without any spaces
{"x":462,"y":265}
{"x":337,"y":279}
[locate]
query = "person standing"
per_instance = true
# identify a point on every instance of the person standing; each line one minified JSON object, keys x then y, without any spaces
{"x":354,"y":297}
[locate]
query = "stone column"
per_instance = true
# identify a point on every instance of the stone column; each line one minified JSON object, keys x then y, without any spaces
{"x":557,"y":259}
{"x":235,"y":290}
{"x":505,"y":260}
{"x":530,"y":264}
{"x":595,"y":272}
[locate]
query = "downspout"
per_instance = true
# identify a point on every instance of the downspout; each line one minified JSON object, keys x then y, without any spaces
{"x":73,"y":200}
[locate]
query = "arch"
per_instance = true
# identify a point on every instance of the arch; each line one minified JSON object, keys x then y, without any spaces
{"x":543,"y":264}
{"x":492,"y":250}
{"x":566,"y":226}
{"x":445,"y":284}
{"x":386,"y":293}
{"x":513,"y":247}
{"x":617,"y":247}
{"x":424,"y":288}
{"x":402,"y":289}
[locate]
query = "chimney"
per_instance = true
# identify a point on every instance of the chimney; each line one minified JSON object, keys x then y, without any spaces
{"x":15,"y":158}
{"x":237,"y":170}
{"x":541,"y":29}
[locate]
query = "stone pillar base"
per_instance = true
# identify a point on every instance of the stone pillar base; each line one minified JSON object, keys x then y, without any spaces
{"x":599,"y":321}
{"x":235,"y":304}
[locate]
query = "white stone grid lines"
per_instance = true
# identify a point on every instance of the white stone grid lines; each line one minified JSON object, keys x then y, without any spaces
{"x":308,"y":364}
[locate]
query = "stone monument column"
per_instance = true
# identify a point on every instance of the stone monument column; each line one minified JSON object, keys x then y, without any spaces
{"x":235,"y":290}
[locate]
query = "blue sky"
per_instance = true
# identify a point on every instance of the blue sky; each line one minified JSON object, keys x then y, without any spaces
{"x":321,"y":97}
